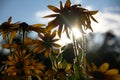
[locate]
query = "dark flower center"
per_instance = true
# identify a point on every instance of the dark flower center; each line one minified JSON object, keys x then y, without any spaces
{"x":24,"y":26}
{"x":47,"y":43}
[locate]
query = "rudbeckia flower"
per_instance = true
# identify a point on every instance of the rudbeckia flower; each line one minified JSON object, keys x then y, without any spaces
{"x":61,"y":69}
{"x":6,"y":29}
{"x":67,"y":15}
{"x":45,"y":43}
{"x":103,"y":72}
{"x":26,"y":27}
{"x":21,"y":64}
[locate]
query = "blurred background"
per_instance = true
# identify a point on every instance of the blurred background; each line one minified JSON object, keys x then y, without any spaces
{"x":103,"y":45}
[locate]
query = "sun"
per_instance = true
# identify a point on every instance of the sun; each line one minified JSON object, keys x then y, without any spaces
{"x":77,"y":34}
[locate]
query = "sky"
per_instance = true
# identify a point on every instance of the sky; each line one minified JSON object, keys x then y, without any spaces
{"x":32,"y":11}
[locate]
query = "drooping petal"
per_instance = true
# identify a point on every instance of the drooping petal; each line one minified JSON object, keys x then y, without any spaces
{"x":67,"y":31}
{"x":53,"y":8}
{"x":93,"y":18}
{"x":47,"y":52}
{"x":60,"y":30}
{"x":13,"y":34}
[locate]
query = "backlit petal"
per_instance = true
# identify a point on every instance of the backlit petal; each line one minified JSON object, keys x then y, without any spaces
{"x":53,"y":8}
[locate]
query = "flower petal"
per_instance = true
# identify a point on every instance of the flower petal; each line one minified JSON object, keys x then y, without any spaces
{"x":47,"y":52}
{"x":94,"y":67}
{"x":13,"y":34}
{"x":9,"y":19}
{"x":67,"y":4}
{"x":53,"y":8}
{"x":104,"y":67}
{"x":38,"y":25}
{"x":61,"y":5}
{"x":112,"y":72}
{"x":92,"y":12}
{"x":52,"y":15}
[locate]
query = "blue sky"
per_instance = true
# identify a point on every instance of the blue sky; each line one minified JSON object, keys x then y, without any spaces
{"x":32,"y":11}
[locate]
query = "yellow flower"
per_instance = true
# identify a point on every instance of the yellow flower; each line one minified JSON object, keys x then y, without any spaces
{"x":21,"y":64}
{"x":45,"y":43}
{"x":103,"y":72}
{"x":35,"y":27}
{"x":67,"y":15}
{"x":61,"y":69}
{"x":7,"y":28}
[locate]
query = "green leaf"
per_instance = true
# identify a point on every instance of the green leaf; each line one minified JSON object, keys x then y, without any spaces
{"x":63,"y":48}
{"x":76,"y":70}
{"x":52,"y":57}
{"x":80,"y":54}
{"x":59,"y":58}
{"x":64,"y":64}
